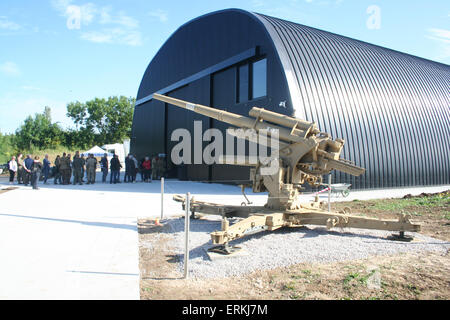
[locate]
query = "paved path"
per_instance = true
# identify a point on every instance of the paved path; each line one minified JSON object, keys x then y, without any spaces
{"x":64,"y":243}
{"x":81,"y":242}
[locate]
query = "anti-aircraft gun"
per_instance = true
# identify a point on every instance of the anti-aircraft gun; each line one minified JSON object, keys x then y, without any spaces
{"x":302,"y":154}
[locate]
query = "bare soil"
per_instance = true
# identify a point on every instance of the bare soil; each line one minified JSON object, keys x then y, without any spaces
{"x":404,"y":276}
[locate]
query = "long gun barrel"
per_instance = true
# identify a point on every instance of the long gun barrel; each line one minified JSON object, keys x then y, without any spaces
{"x":291,"y":130}
{"x":231,"y":118}
{"x":296,"y":124}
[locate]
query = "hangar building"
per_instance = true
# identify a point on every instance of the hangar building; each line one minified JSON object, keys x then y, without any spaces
{"x":392,"y":108}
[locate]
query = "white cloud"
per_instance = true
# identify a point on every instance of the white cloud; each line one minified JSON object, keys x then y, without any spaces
{"x":8,"y":25}
{"x":295,"y":10}
{"x":112,"y":27}
{"x":10,"y":69}
{"x":161,"y":15}
{"x":258,"y":3}
{"x":114,"y":35}
{"x":106,"y":17}
{"x":66,"y":8}
{"x":97,"y":36}
{"x":88,"y":12}
{"x":441,"y":35}
{"x":61,"y":5}
{"x":442,"y":38}
{"x":126,"y":21}
{"x":132,"y":38}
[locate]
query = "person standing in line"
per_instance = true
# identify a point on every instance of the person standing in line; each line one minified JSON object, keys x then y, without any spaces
{"x":91,"y":166}
{"x":104,"y":167}
{"x":20,"y":169}
{"x":27,"y":166}
{"x":115,"y":170}
{"x":147,"y":167}
{"x":63,"y":166}
{"x":46,"y":168}
{"x":36,"y":169}
{"x":69,"y":172}
{"x":141,"y":169}
{"x":77,"y":166}
{"x":83,"y":162}
{"x":154,"y":174}
{"x":12,"y":167}
{"x":135,"y":168}
{"x":57,"y":176}
{"x":128,"y":164}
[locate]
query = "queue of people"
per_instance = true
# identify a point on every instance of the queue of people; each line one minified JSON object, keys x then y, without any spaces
{"x":30,"y":170}
{"x":152,"y":168}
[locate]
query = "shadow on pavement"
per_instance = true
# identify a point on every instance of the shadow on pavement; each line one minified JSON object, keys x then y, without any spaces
{"x":88,"y":223}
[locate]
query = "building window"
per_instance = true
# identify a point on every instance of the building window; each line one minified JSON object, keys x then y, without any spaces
{"x":251,"y":81}
{"x":243,"y":83}
{"x":259,"y":79}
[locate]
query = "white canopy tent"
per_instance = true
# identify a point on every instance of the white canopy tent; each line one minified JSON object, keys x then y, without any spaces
{"x":97,"y":152}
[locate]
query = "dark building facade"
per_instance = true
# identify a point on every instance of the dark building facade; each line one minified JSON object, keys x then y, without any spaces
{"x":392,"y":109}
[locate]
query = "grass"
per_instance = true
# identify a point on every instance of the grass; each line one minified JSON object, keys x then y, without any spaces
{"x":289,"y":286}
{"x":350,"y":277}
{"x":414,"y":289}
{"x":52,"y":153}
{"x":447,"y":215}
{"x":360,"y":278}
{"x":441,"y":200}
{"x":307,"y":272}
{"x":363,"y":279}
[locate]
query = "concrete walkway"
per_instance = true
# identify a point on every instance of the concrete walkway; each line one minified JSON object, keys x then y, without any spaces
{"x":81,"y":242}
{"x":68,"y":243}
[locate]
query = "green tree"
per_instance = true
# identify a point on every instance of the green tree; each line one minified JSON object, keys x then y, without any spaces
{"x":38,"y":132}
{"x":102,"y":121}
{"x":81,"y":138}
{"x":6,"y":147}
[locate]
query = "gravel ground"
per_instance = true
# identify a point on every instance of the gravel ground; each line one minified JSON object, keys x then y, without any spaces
{"x":287,"y":246}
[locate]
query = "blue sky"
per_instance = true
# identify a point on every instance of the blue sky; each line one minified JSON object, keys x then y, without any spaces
{"x":53,"y":52}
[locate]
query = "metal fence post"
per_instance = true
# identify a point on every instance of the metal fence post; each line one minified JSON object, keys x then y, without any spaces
{"x":186,"y":230}
{"x":329,"y":193}
{"x":162,"y":198}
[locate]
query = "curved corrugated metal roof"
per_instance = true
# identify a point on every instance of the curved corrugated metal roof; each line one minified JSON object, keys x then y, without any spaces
{"x":393,"y":109}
